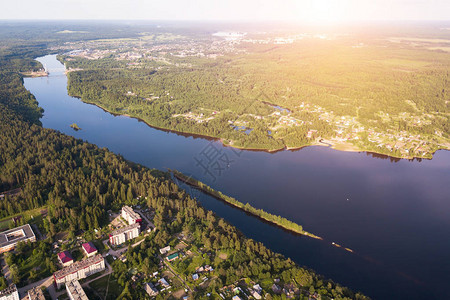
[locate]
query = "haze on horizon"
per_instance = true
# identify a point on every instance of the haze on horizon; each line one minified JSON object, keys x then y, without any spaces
{"x":321,"y":11}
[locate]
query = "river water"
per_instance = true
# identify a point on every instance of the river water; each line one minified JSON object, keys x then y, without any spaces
{"x":394,"y":214}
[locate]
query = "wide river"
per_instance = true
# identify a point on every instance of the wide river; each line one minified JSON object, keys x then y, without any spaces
{"x":394,"y":214}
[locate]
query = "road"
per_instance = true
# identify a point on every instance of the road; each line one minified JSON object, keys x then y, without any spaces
{"x":47,"y":282}
{"x":152,"y":226}
{"x":175,"y":273}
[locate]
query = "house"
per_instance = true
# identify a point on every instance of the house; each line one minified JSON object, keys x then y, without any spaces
{"x":89,"y":249}
{"x":10,"y":238}
{"x":75,"y":291}
{"x":195,"y":276}
{"x":10,"y":293}
{"x":257,"y":288}
{"x":164,"y":250}
{"x":79,"y":270}
{"x":124,"y":234}
{"x":276,"y":289}
{"x":236,"y":297}
{"x":36,"y":294}
{"x":164,"y":282}
{"x":65,"y":258}
{"x":255,"y":294}
{"x":172,"y":256}
{"x":150,"y":289}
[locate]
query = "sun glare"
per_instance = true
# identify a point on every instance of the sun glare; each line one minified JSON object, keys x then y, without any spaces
{"x":322,"y":11}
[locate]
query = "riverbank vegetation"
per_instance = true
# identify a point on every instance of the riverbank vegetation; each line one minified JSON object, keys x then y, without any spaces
{"x":79,"y":182}
{"x":270,"y":92}
{"x":277,"y":220}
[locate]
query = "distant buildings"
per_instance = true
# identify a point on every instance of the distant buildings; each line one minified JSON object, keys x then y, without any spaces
{"x":35,"y":294}
{"x":10,"y":238}
{"x":124,"y":234}
{"x":65,"y":258}
{"x":89,"y":249}
{"x":164,"y":250}
{"x":164,"y":282}
{"x":172,"y":256}
{"x":130,"y":215}
{"x":150,"y":289}
{"x":79,"y":270}
{"x":75,"y":291}
{"x":10,"y":293}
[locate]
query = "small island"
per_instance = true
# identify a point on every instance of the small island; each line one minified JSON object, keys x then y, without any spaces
{"x":259,"y":213}
{"x":75,"y":126}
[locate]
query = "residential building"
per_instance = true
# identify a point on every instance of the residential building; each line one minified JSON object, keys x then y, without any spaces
{"x":150,"y":289}
{"x":172,"y":256}
{"x":130,"y":215}
{"x":79,"y":270}
{"x":65,"y":258}
{"x":164,"y":282}
{"x":10,"y":238}
{"x":75,"y":291}
{"x":124,"y":234}
{"x":255,"y":294}
{"x":164,"y":250}
{"x":89,"y":249}
{"x":36,"y":294}
{"x":10,"y":293}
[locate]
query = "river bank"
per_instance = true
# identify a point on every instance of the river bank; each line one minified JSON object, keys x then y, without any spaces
{"x":339,"y":146}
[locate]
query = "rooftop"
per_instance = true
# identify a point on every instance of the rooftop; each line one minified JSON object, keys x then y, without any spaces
{"x":8,"y":291}
{"x":76,"y":290}
{"x":12,"y":236}
{"x":172,"y":256}
{"x":89,"y":247}
{"x":36,"y":294}
{"x":131,"y":212}
{"x":65,"y":256}
{"x":126,"y":228}
{"x":78,"y":266}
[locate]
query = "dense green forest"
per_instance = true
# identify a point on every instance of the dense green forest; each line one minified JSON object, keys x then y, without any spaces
{"x":79,"y":182}
{"x":377,"y":95}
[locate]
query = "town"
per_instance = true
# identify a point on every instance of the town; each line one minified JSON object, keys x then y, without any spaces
{"x":182,"y":268}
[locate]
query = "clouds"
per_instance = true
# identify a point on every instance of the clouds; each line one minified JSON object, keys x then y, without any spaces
{"x":257,"y":10}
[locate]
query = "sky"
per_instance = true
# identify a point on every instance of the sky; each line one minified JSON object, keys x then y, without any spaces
{"x":228,"y":10}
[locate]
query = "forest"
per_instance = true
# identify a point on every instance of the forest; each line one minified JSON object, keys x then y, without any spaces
{"x":371,"y":94}
{"x":78,"y":183}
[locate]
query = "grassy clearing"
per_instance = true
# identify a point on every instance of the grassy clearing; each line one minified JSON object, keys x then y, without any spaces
{"x":107,"y":283}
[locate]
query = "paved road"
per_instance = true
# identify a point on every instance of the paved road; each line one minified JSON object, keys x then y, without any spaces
{"x":152,"y":226}
{"x":47,"y":282}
